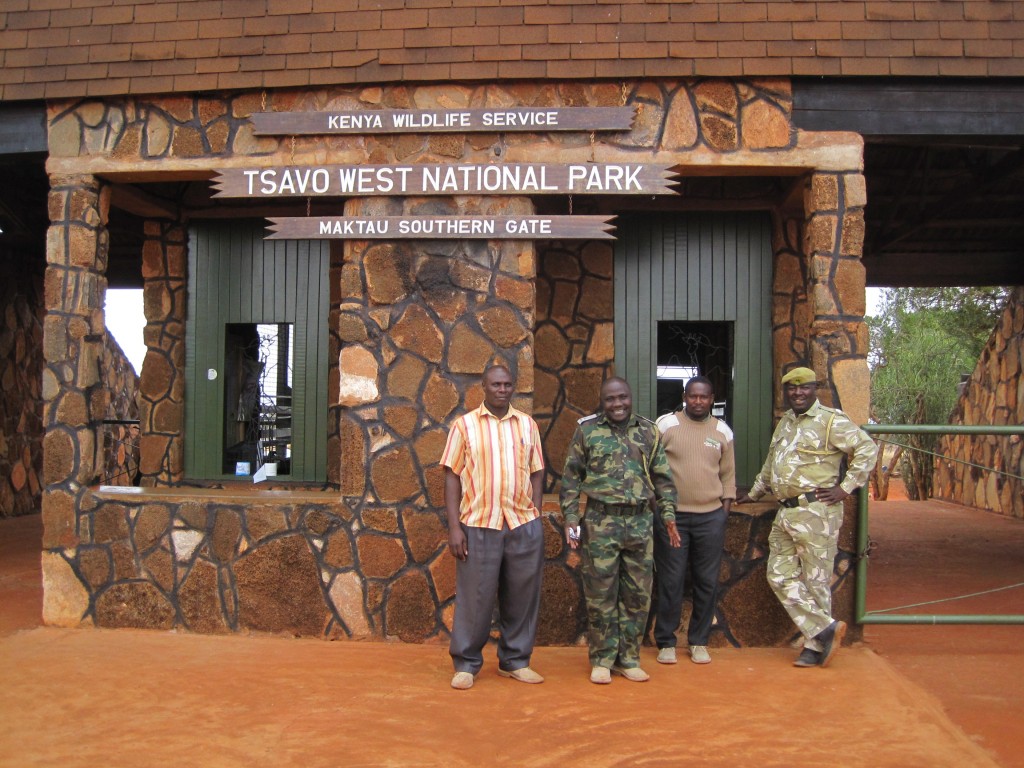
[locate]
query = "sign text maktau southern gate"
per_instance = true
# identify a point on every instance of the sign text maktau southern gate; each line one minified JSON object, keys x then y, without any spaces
{"x":444,"y":178}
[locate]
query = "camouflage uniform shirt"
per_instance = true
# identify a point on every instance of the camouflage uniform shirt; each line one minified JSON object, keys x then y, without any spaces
{"x":617,"y":465}
{"x":806,"y":451}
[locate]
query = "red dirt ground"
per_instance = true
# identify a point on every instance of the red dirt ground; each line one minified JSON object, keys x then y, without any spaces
{"x":909,"y":696}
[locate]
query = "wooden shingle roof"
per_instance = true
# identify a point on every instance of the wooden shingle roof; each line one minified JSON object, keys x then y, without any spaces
{"x":74,"y":48}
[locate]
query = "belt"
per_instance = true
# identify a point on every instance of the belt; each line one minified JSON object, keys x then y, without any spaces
{"x":619,"y":509}
{"x":802,"y":499}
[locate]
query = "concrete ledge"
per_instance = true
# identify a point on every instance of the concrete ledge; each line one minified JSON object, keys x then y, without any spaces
{"x":239,"y":495}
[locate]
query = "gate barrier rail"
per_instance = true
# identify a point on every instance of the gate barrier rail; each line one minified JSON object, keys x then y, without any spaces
{"x":862,"y":616}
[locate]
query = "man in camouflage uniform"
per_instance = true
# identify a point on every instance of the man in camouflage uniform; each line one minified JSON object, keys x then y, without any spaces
{"x":803,"y":471}
{"x":617,"y":459}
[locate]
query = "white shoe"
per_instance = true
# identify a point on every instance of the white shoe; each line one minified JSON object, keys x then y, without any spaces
{"x":667,"y":656}
{"x":699,"y":654}
{"x":633,"y":674}
{"x":462,"y":681}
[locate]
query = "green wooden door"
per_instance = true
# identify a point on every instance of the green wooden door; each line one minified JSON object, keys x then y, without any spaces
{"x":236,"y":279}
{"x":713,"y":267}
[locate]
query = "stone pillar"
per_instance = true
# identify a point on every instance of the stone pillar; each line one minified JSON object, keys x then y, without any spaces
{"x":74,"y":400}
{"x":162,"y":379}
{"x":834,"y":240}
{"x":418,"y":321}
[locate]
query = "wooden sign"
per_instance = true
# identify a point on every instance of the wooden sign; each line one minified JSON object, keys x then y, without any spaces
{"x":442,"y":179}
{"x":497,"y":119}
{"x":441,"y":228}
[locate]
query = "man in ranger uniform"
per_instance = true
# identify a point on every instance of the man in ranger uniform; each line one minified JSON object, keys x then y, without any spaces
{"x":803,"y":472}
{"x":616,"y":458}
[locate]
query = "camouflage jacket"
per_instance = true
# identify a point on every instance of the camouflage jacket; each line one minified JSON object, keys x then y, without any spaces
{"x":617,"y":465}
{"x":806,"y":452}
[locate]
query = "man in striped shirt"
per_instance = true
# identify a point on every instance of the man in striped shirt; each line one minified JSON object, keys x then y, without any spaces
{"x":493,"y":491}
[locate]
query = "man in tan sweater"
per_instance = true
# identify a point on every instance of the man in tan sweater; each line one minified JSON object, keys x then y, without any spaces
{"x":700,"y":453}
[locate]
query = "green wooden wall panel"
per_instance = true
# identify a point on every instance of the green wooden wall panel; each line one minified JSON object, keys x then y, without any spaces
{"x":710,"y":267}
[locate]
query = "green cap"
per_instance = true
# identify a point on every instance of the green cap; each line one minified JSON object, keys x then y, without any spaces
{"x":800,"y":376}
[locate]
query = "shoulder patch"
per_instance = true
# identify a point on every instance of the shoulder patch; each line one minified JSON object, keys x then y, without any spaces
{"x":666,"y":422}
{"x":586,"y":418}
{"x":724,"y":429}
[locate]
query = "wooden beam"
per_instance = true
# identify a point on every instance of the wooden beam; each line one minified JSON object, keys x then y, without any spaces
{"x":22,"y":128}
{"x":136,"y":201}
{"x":912,"y":107}
{"x":934,"y":270}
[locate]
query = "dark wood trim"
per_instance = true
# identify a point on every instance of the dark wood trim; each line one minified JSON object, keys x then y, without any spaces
{"x":22,"y":128}
{"x":890,"y":107}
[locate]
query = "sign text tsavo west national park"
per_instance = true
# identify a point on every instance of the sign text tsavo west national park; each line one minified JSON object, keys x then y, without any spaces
{"x":443,"y":179}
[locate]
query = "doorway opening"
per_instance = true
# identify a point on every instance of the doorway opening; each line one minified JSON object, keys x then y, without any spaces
{"x":258,"y":398}
{"x":688,"y":349}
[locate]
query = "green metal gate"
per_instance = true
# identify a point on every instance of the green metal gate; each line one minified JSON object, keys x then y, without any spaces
{"x":714,"y":267}
{"x":889,"y":616}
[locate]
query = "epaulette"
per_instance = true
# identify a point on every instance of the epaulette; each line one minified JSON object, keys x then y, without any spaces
{"x":587,"y":418}
{"x":644,"y":418}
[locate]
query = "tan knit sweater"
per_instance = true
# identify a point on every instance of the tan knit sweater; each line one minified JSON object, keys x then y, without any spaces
{"x":702,"y":459}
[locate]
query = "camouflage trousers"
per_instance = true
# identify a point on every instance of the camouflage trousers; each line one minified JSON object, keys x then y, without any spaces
{"x":617,"y":567}
{"x":802,"y":553}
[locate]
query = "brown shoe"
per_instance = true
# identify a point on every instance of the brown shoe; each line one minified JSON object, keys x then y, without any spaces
{"x":523,"y":675}
{"x":463,"y":681}
{"x":633,"y":674}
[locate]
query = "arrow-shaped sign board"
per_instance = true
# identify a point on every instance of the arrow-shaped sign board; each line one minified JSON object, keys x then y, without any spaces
{"x":441,"y":228}
{"x":444,"y":179}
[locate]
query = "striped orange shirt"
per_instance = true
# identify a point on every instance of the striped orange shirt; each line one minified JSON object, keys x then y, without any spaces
{"x":494,"y":458}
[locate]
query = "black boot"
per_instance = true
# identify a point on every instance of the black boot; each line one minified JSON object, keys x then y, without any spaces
{"x":830,"y":638}
{"x":808,"y":658}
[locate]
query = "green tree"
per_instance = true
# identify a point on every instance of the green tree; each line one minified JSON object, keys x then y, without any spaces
{"x":923,"y":341}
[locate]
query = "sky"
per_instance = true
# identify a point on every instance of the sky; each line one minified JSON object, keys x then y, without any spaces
{"x":125,"y":321}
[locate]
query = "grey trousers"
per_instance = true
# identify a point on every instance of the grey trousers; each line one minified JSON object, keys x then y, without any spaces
{"x":507,"y":565}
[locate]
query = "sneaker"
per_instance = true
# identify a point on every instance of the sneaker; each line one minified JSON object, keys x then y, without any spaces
{"x":600,"y":675}
{"x":633,"y":674}
{"x":463,"y":681}
{"x":523,"y":675}
{"x":808,"y":658}
{"x":831,"y":638}
{"x":667,"y":656}
{"x":699,"y":654}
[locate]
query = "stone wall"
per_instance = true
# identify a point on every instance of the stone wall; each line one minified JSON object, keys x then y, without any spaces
{"x":573,"y":341}
{"x":120,"y":441}
{"x":412,"y":325}
{"x":21,"y":365}
{"x":994,"y":395}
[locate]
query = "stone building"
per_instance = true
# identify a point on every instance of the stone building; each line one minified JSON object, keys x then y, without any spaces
{"x":333,"y":366}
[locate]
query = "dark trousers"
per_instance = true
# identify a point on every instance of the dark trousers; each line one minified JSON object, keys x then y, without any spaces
{"x":703,"y":536}
{"x":506,"y":565}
